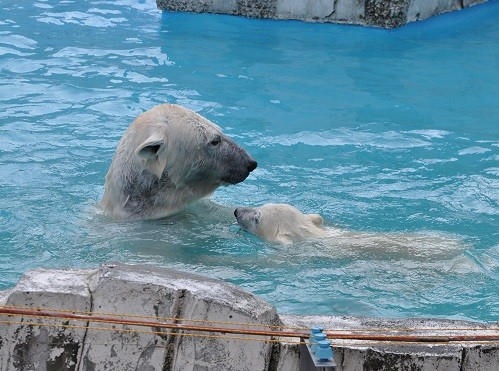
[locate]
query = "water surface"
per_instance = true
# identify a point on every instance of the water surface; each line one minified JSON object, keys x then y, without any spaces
{"x":379,"y":131}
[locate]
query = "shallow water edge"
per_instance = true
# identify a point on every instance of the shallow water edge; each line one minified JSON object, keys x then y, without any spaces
{"x":385,"y":14}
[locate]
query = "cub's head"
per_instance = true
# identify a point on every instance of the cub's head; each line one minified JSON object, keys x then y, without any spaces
{"x":279,"y":222}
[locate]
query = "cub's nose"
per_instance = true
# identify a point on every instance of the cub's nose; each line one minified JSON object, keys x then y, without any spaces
{"x":252,"y":165}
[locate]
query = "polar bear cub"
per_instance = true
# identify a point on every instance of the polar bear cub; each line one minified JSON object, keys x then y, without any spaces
{"x":168,"y":158}
{"x":286,"y":224}
{"x":280,"y":223}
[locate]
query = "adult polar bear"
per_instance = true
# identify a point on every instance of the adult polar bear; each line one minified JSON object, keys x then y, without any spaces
{"x":168,"y":158}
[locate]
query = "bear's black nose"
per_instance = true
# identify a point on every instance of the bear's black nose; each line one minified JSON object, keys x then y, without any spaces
{"x":252,"y":165}
{"x":235,"y":213}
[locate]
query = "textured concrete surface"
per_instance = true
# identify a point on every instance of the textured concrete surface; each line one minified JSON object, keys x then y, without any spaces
{"x":377,"y":13}
{"x":154,"y":294}
{"x":353,"y":355}
{"x":139,"y":290}
{"x":47,"y":347}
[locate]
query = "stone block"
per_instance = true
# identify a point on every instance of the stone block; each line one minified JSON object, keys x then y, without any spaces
{"x":467,"y":3}
{"x":377,"y":13}
{"x":157,"y":294}
{"x":481,"y":357}
{"x":352,"y":355}
{"x":37,"y":343}
{"x":146,"y":293}
{"x":224,"y":6}
{"x":421,"y":358}
{"x":348,"y":11}
{"x":419,"y":10}
{"x":305,"y":9}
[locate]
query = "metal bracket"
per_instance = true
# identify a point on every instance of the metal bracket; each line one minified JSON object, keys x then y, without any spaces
{"x":309,"y":362}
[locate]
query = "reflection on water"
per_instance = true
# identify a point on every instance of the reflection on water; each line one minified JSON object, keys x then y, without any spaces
{"x":390,"y":135}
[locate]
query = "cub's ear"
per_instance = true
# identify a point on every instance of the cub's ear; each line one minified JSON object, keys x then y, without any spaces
{"x":149,"y":151}
{"x":316,"y":219}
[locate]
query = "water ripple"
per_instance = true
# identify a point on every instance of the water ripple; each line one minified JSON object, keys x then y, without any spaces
{"x":80,"y":18}
{"x":344,"y":137}
{"x":369,"y":137}
{"x":154,"y":55}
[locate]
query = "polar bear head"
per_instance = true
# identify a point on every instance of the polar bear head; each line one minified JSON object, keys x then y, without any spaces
{"x":169,"y":157}
{"x":279,"y":222}
{"x":189,"y":148}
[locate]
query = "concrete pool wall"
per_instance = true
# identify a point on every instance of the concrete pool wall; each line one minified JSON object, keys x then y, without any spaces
{"x":376,"y":13}
{"x":154,"y":294}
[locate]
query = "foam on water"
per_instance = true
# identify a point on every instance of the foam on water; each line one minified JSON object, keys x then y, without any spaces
{"x":391,"y":135}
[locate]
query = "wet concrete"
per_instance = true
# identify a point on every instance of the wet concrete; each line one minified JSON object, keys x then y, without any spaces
{"x":152,"y":293}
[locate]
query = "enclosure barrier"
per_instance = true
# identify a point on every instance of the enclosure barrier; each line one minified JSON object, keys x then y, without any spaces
{"x":315,"y":345}
{"x":137,"y":317}
{"x":373,"y":334}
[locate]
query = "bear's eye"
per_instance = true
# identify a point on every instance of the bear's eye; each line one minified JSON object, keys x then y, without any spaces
{"x":216,"y":140}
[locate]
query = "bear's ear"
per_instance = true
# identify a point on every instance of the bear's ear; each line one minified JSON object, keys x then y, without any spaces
{"x":149,"y":151}
{"x":150,"y":148}
{"x":316,"y":219}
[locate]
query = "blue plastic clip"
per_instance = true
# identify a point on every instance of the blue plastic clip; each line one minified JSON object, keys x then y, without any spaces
{"x":315,"y":330}
{"x":317,"y":339}
{"x":323,"y":350}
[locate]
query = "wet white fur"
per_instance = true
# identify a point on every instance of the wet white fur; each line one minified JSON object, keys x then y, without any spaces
{"x":285,"y":224}
{"x":165,"y":161}
{"x":280,"y":223}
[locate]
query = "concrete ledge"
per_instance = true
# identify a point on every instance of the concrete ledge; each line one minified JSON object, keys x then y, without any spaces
{"x":359,"y":355}
{"x":139,"y":290}
{"x":157,"y":293}
{"x":376,"y":13}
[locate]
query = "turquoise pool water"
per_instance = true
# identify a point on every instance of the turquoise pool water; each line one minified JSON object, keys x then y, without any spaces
{"x":379,"y":131}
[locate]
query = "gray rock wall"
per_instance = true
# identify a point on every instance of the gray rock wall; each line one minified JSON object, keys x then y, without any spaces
{"x":154,"y":294}
{"x":377,"y":13}
{"x":357,"y":355}
{"x":142,"y":291}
